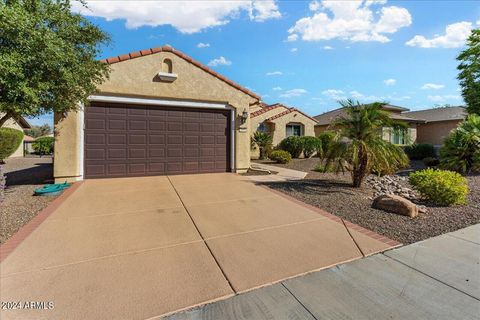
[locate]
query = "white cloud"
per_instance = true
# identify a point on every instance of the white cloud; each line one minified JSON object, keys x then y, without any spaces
{"x":439,"y":98}
{"x":314,"y":5}
{"x":334,"y":94}
{"x":327,"y":48}
{"x":274,"y":73}
{"x":455,"y":36}
{"x":185,"y":16}
{"x":203,"y":45}
{"x":433,"y":86}
{"x":293,"y":93}
{"x":221,"y":61}
{"x":356,"y":95}
{"x":277,"y":89}
{"x":390,"y":82}
{"x":294,"y":50}
{"x":350,"y":20}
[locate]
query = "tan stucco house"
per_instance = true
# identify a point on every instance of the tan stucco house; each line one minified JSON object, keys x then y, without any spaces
{"x":20,"y":124}
{"x":160,"y":112}
{"x":438,"y":122}
{"x":400,"y":137}
{"x":280,"y":122}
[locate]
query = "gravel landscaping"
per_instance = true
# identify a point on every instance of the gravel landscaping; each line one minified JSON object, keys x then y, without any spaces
{"x":334,"y":194}
{"x":19,"y":206}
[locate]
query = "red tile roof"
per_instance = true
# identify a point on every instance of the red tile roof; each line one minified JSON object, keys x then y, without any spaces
{"x":289,"y":110}
{"x":264,"y":109}
{"x":141,"y":53}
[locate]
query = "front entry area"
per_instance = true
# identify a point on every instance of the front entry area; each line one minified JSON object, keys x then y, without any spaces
{"x":123,"y":140}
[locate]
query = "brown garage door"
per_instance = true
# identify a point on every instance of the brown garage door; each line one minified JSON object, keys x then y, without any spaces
{"x":134,"y":140}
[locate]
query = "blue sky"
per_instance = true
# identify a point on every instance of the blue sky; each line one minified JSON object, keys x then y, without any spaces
{"x":306,"y":54}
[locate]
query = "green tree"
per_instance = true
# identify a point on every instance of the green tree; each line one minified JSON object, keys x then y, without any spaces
{"x":359,"y":147}
{"x":47,"y":58}
{"x":461,"y":148}
{"x":264,"y":142}
{"x":469,"y":72}
{"x":38,"y":131}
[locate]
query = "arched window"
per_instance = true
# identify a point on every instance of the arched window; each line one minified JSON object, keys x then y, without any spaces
{"x":167,"y":66}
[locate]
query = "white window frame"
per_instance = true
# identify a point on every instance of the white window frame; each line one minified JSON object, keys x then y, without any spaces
{"x":302,"y":133}
{"x":160,"y":102}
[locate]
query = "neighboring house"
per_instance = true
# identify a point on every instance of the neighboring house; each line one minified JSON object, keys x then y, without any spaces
{"x":27,"y":144}
{"x":21,"y":125}
{"x":401,"y":136}
{"x":280,"y":122}
{"x":160,"y":112}
{"x":438,"y":123}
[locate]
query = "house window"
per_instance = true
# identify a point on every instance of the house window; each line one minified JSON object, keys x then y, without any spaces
{"x":294,"y":130}
{"x":399,"y":136}
{"x":262,"y":127}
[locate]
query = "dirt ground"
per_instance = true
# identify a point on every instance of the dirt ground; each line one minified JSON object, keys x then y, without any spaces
{"x":334,"y":194}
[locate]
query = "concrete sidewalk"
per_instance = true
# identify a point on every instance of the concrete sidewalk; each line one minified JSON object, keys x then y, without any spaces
{"x":438,"y":278}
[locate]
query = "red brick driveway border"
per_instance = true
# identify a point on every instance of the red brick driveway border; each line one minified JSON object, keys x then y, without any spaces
{"x":348,"y":224}
{"x":26,"y":230}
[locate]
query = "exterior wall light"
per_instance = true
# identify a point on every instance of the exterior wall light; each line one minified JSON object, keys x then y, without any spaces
{"x":244,"y":116}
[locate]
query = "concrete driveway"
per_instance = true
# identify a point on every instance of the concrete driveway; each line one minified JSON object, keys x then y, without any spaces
{"x":139,"y":248}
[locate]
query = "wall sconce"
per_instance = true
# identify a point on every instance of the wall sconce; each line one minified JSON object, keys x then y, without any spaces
{"x":244,"y":116}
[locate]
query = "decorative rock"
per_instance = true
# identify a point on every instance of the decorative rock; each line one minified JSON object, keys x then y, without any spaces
{"x":396,"y":204}
{"x":422,"y":209}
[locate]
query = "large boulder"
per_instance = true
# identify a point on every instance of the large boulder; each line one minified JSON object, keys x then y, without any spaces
{"x":395,"y":204}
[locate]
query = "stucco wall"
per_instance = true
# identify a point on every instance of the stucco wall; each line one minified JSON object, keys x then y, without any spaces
{"x":435,"y":132}
{"x":320,"y":129}
{"x":137,"y":77}
{"x":10,"y":123}
{"x":278,"y":126}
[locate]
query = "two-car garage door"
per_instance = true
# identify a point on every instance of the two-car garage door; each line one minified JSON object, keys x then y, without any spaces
{"x":135,"y":140}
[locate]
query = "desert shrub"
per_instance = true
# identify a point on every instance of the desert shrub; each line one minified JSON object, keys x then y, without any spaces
{"x":431,"y":162}
{"x":264,"y":142}
{"x":293,"y":145}
{"x":325,"y":142}
{"x":420,"y":151}
{"x":392,"y":159}
{"x":461,"y":150}
{"x":440,"y":186}
{"x":10,"y":140}
{"x":324,"y":168}
{"x":310,"y":145}
{"x":43,"y":145}
{"x":281,"y":156}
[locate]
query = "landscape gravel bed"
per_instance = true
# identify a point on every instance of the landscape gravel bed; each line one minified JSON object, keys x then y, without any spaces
{"x":334,"y":194}
{"x":19,"y":205}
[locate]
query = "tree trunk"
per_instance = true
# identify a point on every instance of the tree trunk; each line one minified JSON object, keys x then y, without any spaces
{"x":360,"y":171}
{"x":5,"y":118}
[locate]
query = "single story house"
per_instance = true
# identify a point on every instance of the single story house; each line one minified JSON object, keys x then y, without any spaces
{"x":20,"y":124}
{"x":160,"y":112}
{"x":438,"y":123}
{"x":280,"y":122}
{"x":401,"y":136}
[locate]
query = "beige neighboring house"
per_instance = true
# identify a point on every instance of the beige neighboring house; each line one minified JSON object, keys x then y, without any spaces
{"x":438,"y":123}
{"x":400,"y":137}
{"x":21,"y":125}
{"x":160,"y":112}
{"x":280,"y":122}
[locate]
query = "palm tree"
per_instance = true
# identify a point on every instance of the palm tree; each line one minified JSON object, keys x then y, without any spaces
{"x":264,"y":142}
{"x":358,"y":146}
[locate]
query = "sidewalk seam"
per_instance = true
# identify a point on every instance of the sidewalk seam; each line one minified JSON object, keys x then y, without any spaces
{"x":201,"y":236}
{"x":431,"y":277}
{"x":298,"y":300}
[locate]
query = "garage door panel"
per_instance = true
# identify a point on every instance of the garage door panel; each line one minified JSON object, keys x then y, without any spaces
{"x":123,"y":140}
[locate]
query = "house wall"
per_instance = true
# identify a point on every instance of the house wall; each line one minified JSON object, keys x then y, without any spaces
{"x":319,"y":129}
{"x":137,"y":78}
{"x":10,"y":123}
{"x":412,"y":132}
{"x":435,"y":132}
{"x":278,"y":126}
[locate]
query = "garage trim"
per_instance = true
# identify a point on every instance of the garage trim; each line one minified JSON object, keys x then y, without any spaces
{"x":165,"y":103}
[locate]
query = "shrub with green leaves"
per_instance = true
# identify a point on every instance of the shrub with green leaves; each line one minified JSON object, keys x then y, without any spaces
{"x":419,"y":151}
{"x":431,"y":162}
{"x":281,"y":156}
{"x":442,"y":187}
{"x":293,"y":145}
{"x":461,"y":150}
{"x":264,"y":142}
{"x":310,"y":145}
{"x":10,"y":140}
{"x":43,"y":145}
